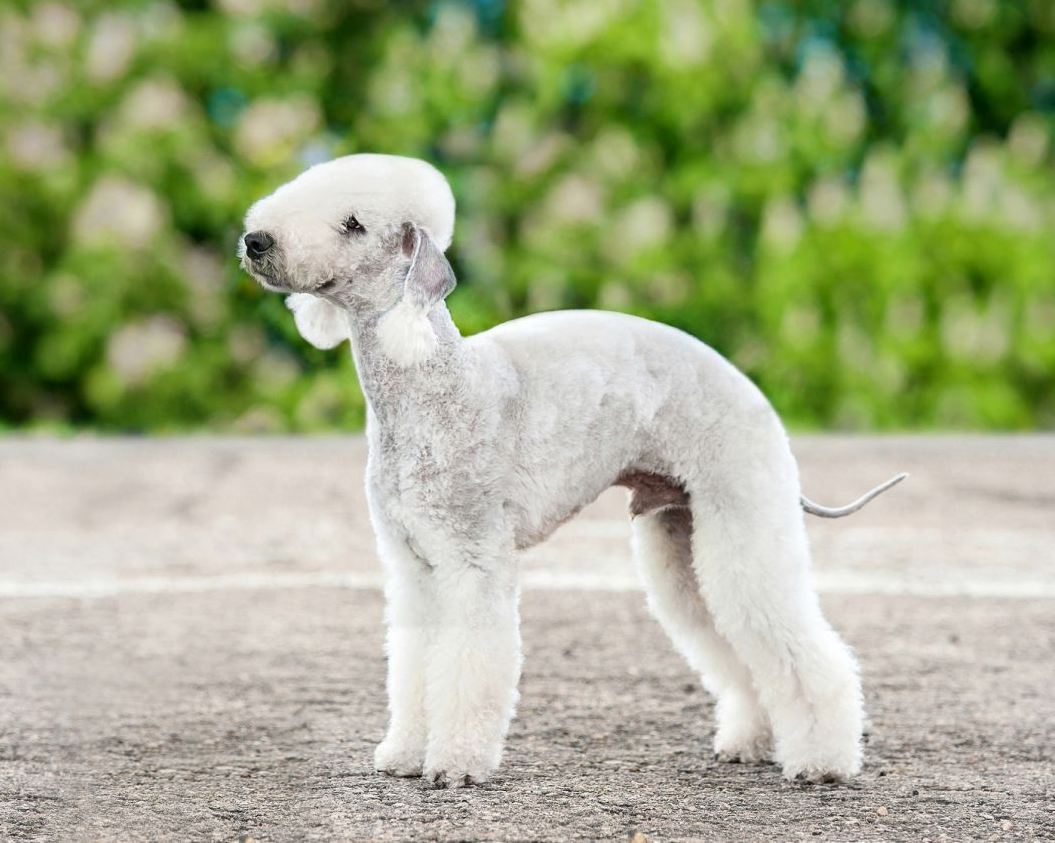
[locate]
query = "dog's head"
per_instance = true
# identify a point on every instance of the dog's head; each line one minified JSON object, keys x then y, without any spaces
{"x":358,"y":236}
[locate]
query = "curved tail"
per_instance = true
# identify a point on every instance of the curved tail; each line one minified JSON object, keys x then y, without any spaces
{"x":839,"y":511}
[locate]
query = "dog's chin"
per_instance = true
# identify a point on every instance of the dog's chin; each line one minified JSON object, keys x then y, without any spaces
{"x":272,"y":285}
{"x":268,"y":282}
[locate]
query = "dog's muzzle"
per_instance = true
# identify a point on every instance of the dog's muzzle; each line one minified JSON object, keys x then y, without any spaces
{"x":260,"y":259}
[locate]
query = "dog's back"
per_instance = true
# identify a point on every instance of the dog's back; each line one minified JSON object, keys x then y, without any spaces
{"x":603,"y":395}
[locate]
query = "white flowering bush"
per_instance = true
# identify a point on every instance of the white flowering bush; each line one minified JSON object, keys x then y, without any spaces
{"x":854,"y":202}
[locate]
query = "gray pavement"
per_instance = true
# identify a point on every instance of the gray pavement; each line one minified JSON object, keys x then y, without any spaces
{"x":190,"y":648}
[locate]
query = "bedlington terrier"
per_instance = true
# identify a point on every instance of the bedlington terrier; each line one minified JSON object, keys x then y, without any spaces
{"x":482,"y":446}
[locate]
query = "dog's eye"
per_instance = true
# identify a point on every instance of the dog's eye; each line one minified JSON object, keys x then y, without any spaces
{"x":353,"y":226}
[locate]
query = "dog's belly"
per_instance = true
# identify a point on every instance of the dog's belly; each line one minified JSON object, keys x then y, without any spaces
{"x":649,"y":491}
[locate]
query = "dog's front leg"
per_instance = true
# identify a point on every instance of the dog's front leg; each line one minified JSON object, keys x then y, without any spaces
{"x":410,"y":618}
{"x":472,"y":670}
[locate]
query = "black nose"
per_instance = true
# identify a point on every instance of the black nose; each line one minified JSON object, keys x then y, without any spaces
{"x":257,"y":243}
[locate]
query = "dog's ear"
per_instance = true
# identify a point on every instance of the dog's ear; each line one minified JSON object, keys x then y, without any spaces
{"x":320,"y":322}
{"x":430,"y":277}
{"x":405,"y":332}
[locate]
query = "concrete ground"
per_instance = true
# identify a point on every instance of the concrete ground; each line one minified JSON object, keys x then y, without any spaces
{"x":190,"y":648}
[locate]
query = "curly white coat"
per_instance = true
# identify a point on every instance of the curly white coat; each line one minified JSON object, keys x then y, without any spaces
{"x":481,"y":446}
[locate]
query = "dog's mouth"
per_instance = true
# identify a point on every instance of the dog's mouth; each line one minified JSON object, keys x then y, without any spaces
{"x":264,"y":272}
{"x":264,"y":275}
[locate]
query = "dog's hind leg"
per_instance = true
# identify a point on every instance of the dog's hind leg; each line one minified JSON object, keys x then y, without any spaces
{"x":663,"y":553}
{"x":752,"y":559}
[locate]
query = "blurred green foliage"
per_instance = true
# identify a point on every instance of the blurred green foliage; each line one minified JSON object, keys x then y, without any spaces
{"x":852,"y":201}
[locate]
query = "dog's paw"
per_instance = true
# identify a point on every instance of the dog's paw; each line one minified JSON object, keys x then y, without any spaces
{"x":399,"y":758}
{"x":441,"y":780}
{"x":749,"y":754}
{"x":743,"y":735}
{"x":821,"y":756}
{"x":456,"y":775}
{"x":464,"y":767}
{"x":823,"y":770}
{"x":753,"y":746}
{"x":817,"y":777}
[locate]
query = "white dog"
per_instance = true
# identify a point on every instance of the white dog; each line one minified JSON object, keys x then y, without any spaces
{"x":482,"y":446}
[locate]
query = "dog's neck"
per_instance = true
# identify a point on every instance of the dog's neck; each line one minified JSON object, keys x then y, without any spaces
{"x":394,"y":392}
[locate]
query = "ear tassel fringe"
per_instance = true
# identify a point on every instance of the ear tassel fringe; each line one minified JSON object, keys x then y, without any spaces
{"x":406,"y":335}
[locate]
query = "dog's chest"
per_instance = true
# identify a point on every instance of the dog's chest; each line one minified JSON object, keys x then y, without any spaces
{"x":422,"y":485}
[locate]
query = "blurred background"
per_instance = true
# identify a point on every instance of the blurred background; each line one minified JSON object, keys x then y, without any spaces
{"x":852,"y":201}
